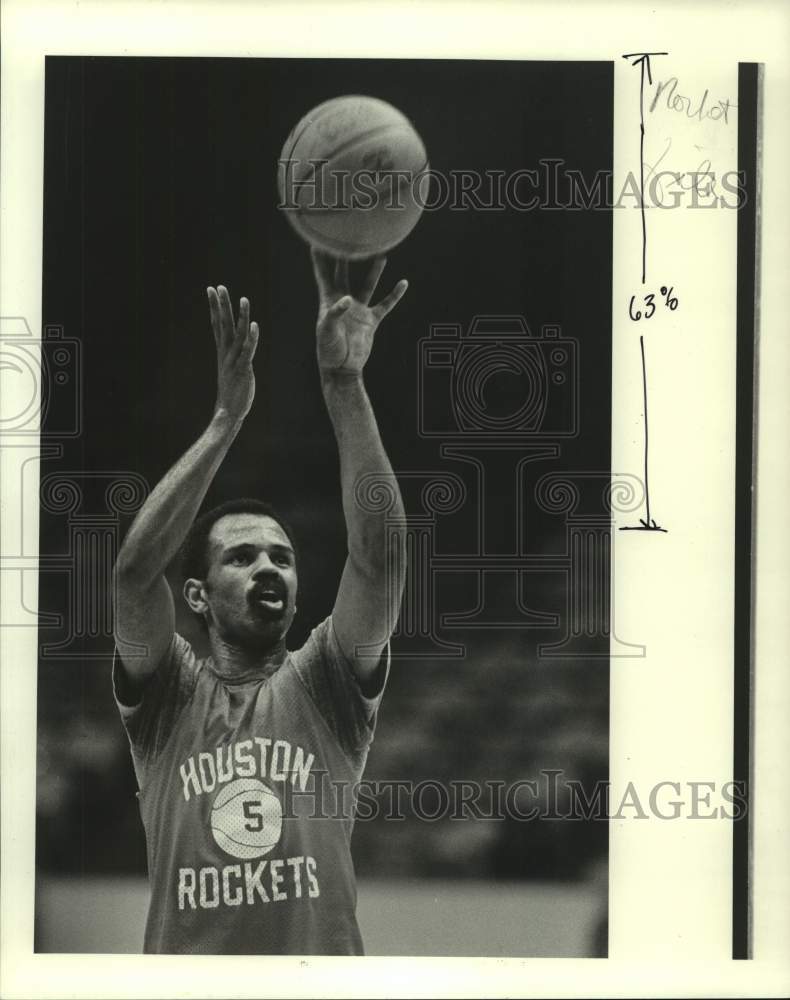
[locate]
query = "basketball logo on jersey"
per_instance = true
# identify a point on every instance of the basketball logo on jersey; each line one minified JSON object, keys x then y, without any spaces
{"x":246,"y":822}
{"x":246,"y":818}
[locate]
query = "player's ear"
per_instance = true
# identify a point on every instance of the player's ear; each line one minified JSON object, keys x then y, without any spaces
{"x":195,"y":596}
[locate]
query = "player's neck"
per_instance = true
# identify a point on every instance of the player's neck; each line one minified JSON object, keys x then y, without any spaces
{"x":233,"y":663}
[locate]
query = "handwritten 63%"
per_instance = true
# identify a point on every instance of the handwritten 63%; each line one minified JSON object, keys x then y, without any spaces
{"x":648,"y":303}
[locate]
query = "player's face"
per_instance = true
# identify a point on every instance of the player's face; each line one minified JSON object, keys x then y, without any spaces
{"x":251,"y":583}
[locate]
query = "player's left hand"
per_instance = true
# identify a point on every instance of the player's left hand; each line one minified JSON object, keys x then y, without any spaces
{"x":347,"y":323}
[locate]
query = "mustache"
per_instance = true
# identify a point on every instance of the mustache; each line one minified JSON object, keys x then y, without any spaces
{"x":269,"y":587}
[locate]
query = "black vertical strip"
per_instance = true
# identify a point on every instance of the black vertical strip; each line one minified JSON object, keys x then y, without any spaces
{"x":744,"y":459}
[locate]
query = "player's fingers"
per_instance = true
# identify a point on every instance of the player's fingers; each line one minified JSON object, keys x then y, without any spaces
{"x":242,"y":335}
{"x":339,"y":307}
{"x":389,"y":302}
{"x":323,"y":269}
{"x":373,"y":272}
{"x":213,"y":306}
{"x":243,"y":324}
{"x":250,"y":345}
{"x":226,"y":316}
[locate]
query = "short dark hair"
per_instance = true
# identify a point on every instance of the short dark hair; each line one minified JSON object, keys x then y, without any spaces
{"x":194,"y":551}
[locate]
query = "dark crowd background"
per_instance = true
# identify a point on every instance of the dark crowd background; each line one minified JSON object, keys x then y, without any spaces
{"x":160,"y":178}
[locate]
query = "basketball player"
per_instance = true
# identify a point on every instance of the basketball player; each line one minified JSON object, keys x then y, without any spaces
{"x":231,"y":751}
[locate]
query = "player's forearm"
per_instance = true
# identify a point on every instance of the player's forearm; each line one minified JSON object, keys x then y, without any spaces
{"x":165,"y":518}
{"x":361,"y":453}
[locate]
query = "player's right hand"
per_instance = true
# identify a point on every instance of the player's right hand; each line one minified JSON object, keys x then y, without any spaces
{"x":236,"y":343}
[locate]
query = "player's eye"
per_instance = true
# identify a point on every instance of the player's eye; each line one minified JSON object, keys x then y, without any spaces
{"x":239,"y":559}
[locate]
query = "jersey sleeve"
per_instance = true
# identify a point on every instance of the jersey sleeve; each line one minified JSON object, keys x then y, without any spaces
{"x":329,"y":677}
{"x":149,"y":723}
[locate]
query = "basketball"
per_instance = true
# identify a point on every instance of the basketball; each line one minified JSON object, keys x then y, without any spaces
{"x":246,"y":818}
{"x":352,"y":177}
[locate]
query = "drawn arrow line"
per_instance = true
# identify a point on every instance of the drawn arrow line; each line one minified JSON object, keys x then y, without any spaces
{"x":642,"y":59}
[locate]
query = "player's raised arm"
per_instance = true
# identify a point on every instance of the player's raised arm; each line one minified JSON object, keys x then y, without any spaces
{"x":370,"y":590}
{"x":144,"y":611}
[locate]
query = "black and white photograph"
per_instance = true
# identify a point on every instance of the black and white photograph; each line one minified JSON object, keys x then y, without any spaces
{"x":332,"y":516}
{"x":390,"y":432}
